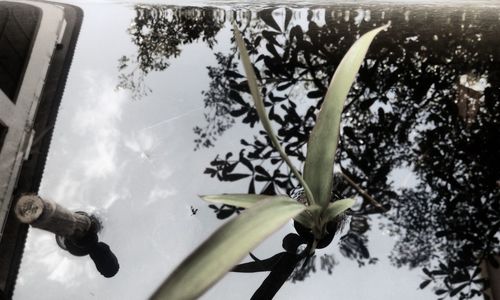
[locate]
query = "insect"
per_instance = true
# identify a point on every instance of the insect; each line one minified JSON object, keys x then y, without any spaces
{"x":193,"y":210}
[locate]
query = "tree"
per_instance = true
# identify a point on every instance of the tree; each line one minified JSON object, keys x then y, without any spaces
{"x":425,"y":103}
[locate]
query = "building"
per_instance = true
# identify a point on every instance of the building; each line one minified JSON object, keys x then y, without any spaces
{"x":37,"y":41}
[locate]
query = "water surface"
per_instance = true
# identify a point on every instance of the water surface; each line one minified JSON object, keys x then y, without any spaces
{"x":156,"y":111}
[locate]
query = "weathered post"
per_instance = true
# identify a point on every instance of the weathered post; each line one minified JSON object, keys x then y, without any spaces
{"x":50,"y":216}
{"x":76,"y":232}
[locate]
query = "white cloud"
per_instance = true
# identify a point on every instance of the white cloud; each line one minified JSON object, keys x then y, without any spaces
{"x":141,"y":143}
{"x":163,"y":173}
{"x":115,"y":196}
{"x":84,"y":151}
{"x":45,"y":254}
{"x":66,"y":188}
{"x":96,"y":120}
{"x":69,"y":271}
{"x":158,"y":193}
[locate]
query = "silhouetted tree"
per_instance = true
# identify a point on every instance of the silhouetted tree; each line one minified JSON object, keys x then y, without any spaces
{"x":159,"y":32}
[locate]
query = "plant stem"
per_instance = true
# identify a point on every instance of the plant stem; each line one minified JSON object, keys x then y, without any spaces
{"x":313,"y":247}
{"x":363,"y":192}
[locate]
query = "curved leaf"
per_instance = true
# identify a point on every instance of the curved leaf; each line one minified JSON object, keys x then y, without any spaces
{"x":226,"y":247}
{"x":424,"y":284}
{"x":318,"y":168}
{"x":261,"y":111}
{"x":305,"y":218}
{"x":336,"y":208}
{"x":238,"y":200}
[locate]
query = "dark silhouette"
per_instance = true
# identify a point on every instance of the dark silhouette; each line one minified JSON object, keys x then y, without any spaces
{"x":100,"y":253}
{"x":159,"y":32}
{"x":425,"y":105}
{"x":104,"y":259}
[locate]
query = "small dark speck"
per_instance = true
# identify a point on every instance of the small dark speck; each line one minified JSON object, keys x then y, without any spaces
{"x":193,"y":210}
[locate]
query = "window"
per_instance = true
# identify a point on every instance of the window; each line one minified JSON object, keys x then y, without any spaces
{"x":18,"y":26}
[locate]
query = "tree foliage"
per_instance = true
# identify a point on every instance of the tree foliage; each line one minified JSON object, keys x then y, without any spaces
{"x":416,"y":109}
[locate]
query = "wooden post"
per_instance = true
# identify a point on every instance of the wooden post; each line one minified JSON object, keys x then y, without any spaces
{"x":50,"y":216}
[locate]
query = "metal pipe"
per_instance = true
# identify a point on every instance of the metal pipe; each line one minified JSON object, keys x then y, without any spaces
{"x":50,"y":216}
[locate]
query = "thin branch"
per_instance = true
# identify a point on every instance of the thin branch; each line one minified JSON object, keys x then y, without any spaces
{"x":363,"y":193}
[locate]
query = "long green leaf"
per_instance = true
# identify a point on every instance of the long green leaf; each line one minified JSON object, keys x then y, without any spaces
{"x":336,"y":208}
{"x":226,"y":247}
{"x":305,"y":218}
{"x":249,"y":200}
{"x":238,"y":200}
{"x":261,"y":111}
{"x":318,"y":168}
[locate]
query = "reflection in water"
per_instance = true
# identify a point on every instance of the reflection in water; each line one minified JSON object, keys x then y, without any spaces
{"x":159,"y":34}
{"x":418,"y":132}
